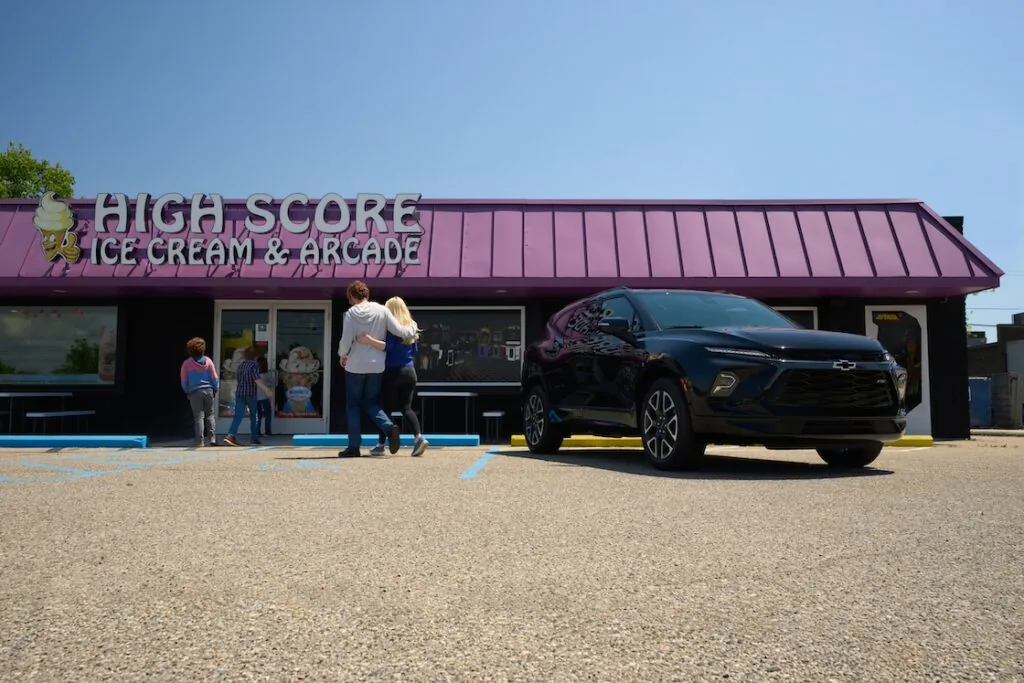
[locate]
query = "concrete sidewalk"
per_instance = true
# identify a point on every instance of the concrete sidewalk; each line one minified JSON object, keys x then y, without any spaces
{"x":997,"y":432}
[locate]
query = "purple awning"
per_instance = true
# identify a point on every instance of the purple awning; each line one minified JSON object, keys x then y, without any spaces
{"x":892,"y":248}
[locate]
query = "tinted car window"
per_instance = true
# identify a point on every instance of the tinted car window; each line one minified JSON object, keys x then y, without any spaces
{"x":704,"y":309}
{"x":619,"y":307}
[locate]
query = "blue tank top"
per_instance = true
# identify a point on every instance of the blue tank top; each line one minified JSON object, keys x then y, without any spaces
{"x":397,"y":354}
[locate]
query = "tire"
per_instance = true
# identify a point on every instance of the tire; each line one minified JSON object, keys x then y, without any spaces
{"x":665,"y":428}
{"x":856,"y":456}
{"x":542,"y":437}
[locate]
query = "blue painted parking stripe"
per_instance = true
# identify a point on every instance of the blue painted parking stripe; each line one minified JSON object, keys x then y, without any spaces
{"x":68,"y":470}
{"x":172,"y":456}
{"x":476,"y":467}
{"x":127,"y":464}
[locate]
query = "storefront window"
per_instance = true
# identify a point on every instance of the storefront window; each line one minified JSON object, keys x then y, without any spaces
{"x":469,"y":345}
{"x":58,"y":345}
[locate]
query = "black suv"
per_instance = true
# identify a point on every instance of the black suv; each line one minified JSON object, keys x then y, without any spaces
{"x":682,"y":369}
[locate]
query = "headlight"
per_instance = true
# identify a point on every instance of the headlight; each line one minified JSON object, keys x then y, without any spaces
{"x":888,"y":357}
{"x":749,"y":353}
{"x":901,"y":383}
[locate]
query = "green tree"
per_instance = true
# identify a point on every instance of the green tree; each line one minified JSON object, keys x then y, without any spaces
{"x":82,"y":358}
{"x":22,"y":176}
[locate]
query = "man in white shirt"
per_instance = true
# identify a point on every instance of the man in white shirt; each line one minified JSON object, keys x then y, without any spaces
{"x":364,"y":366}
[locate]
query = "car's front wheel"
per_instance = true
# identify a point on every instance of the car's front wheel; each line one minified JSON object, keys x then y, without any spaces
{"x":542,"y":437}
{"x":665,"y":428}
{"x":851,"y":457}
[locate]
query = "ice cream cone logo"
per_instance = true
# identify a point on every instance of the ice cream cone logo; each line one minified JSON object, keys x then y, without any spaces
{"x":55,"y":223}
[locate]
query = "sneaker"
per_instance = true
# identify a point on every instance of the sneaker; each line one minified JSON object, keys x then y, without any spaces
{"x":213,"y":443}
{"x":197,"y":444}
{"x":395,"y":439}
{"x":257,"y":442}
{"x":230,"y":441}
{"x":349,"y":453}
{"x":420,"y":446}
{"x":377,"y":450}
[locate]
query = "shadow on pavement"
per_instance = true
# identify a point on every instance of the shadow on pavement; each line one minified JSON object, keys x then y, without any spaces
{"x":329,"y":456}
{"x":711,"y":467}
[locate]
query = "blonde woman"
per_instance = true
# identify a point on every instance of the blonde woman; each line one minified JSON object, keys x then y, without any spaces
{"x":399,"y":373}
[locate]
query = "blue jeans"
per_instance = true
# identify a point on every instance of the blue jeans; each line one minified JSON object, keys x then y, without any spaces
{"x":362,"y":392}
{"x":241,"y":403}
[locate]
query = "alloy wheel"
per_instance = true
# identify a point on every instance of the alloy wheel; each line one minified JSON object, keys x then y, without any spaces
{"x":661,"y":425}
{"x":533,"y":419}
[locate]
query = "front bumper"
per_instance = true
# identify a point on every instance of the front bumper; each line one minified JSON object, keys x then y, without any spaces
{"x":799,"y":432}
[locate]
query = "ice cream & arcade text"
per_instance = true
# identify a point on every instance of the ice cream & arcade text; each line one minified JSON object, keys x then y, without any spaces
{"x":123,"y":236}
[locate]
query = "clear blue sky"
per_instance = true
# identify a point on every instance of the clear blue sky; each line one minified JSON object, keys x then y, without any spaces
{"x":556,"y":99}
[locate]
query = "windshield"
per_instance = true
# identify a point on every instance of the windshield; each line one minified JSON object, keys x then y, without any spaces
{"x":705,"y":309}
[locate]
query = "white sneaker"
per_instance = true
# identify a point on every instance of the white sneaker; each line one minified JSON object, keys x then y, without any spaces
{"x":420,"y":446}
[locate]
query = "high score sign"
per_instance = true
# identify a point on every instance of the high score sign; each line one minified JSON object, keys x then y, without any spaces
{"x":179,"y":242}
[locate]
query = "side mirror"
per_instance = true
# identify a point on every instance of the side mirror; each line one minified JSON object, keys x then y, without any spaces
{"x":617,"y":327}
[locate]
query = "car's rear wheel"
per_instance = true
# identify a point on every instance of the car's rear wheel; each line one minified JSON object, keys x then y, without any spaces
{"x":850,"y":457}
{"x":665,"y":428}
{"x":542,"y":437}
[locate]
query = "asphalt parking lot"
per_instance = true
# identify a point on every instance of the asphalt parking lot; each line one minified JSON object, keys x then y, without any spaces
{"x":279,"y":564}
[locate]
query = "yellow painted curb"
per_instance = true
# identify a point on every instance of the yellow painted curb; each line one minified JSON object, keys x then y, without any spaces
{"x":634,"y":441}
{"x":913,"y":441}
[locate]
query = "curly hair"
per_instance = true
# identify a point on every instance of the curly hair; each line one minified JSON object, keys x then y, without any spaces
{"x":196,"y":346}
{"x":359,"y":291}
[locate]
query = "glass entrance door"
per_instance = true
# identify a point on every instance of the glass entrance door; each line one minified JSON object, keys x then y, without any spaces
{"x":238,"y":330}
{"x":289,"y":341}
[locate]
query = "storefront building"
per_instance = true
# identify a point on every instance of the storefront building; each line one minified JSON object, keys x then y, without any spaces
{"x":98,"y":296}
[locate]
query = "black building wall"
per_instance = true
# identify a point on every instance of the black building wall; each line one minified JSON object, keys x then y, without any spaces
{"x":947,"y":357}
{"x":154,"y":350}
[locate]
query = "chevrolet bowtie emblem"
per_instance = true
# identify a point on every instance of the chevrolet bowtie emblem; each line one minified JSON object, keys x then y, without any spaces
{"x":844,"y":365}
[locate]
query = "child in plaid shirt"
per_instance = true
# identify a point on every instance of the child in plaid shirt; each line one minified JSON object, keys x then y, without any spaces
{"x":248,"y":380}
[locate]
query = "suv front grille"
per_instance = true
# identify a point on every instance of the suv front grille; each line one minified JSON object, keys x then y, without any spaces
{"x":832,"y":356}
{"x":835,"y":389}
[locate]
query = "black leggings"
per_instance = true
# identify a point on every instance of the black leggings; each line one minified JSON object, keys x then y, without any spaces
{"x":396,"y":394}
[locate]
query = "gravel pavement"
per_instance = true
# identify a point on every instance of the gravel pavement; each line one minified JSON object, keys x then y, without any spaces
{"x":292,"y":565}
